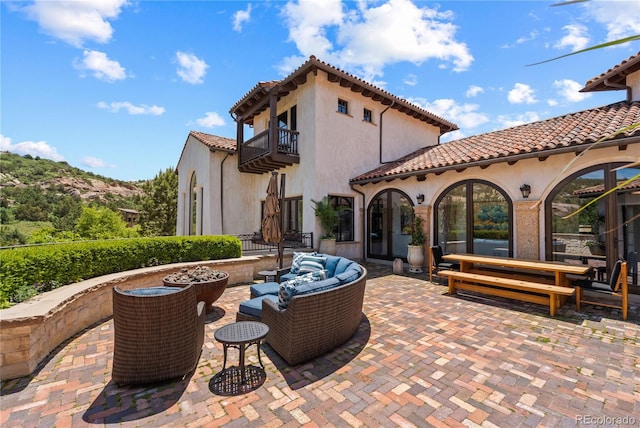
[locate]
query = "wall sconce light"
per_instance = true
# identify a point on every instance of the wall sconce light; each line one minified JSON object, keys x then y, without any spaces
{"x":420,"y":198}
{"x":526,"y":190}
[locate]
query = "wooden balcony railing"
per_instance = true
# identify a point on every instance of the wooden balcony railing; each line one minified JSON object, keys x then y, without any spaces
{"x":258,"y":155}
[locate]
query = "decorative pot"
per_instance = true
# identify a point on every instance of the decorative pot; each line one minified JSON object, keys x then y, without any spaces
{"x":206,"y":291}
{"x":327,"y":246}
{"x":415,"y":257}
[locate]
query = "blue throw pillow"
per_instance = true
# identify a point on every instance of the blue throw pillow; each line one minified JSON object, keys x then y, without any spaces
{"x":342,"y":265}
{"x":312,"y":264}
{"x":152,"y":291}
{"x":288,"y":288}
{"x":332,"y":263}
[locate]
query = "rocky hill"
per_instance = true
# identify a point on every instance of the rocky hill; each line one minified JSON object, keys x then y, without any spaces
{"x":26,"y":171}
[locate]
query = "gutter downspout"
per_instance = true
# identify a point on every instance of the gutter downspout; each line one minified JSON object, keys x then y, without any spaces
{"x":619,"y":86}
{"x":380,"y":134}
{"x":222,"y":192}
{"x":364,"y":240}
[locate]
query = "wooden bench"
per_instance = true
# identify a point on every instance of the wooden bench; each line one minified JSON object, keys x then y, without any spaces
{"x":512,"y":288}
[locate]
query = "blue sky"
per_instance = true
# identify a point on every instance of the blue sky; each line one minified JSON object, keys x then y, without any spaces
{"x":115,"y":86}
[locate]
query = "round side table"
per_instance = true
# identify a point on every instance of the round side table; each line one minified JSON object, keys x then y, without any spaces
{"x":241,"y":335}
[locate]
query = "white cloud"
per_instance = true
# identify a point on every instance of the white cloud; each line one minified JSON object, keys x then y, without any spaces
{"x":93,"y":162}
{"x":100,"y":66}
{"x":569,"y":90}
{"x":552,"y":102}
{"x":132,"y":109}
{"x":466,"y":116}
{"x":76,"y":21}
{"x":620,"y":18}
{"x":371,"y":37}
{"x":508,"y":121}
{"x":191,"y":68}
{"x":411,"y":80}
{"x":576,"y":38}
{"x":33,"y":148}
{"x":240,"y":17}
{"x":522,"y":94}
{"x":474,"y":91}
{"x":210,"y":120}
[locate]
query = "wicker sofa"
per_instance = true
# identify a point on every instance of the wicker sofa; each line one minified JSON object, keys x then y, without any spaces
{"x":158,"y":334}
{"x":318,"y":318}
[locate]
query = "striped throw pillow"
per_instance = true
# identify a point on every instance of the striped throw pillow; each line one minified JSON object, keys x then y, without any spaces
{"x":312,"y":264}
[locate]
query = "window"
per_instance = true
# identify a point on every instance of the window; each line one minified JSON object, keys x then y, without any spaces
{"x":343,"y":106}
{"x":606,"y":227}
{"x":344,"y":230}
{"x":474,"y":216}
{"x":367,"y":115}
{"x":292,"y":215}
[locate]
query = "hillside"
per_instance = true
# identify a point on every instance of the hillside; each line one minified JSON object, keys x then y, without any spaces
{"x":26,"y":171}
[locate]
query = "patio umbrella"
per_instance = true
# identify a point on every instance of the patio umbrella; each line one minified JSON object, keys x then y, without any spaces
{"x":271,"y":230}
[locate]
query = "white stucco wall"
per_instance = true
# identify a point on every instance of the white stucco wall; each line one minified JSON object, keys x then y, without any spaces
{"x":633,"y":80}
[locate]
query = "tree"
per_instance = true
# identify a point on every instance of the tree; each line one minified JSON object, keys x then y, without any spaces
{"x":102,"y":223}
{"x":159,"y":213}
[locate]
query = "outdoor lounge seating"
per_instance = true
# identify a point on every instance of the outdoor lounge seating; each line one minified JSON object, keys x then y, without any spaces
{"x":317,"y":317}
{"x":437,"y":263}
{"x":617,"y":287}
{"x":158,"y":334}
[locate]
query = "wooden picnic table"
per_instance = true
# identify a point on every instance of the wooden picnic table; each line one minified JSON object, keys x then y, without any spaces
{"x":470,"y":262}
{"x":526,"y":280}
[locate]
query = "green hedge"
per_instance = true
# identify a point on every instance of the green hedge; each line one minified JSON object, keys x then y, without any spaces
{"x":27,"y":271}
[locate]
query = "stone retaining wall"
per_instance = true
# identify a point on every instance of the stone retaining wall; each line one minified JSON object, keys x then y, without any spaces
{"x":31,"y":330}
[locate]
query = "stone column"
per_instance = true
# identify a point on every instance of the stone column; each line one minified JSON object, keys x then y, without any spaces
{"x":527,"y":230}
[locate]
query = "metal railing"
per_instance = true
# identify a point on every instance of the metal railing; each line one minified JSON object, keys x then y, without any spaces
{"x":260,"y":145}
{"x":255,"y":242}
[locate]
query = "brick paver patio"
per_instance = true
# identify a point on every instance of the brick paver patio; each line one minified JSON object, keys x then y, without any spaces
{"x":421,"y":358}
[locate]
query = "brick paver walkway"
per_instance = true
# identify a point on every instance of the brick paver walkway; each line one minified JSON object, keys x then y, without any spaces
{"x":421,"y":358}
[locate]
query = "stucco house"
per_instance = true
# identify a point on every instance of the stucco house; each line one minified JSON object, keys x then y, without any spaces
{"x":504,"y":193}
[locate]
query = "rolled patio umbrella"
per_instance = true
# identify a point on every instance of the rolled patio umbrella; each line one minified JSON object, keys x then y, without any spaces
{"x":271,"y":231}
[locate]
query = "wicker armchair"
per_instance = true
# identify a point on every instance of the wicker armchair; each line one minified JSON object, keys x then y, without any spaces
{"x":156,"y":337}
{"x":314,"y":324}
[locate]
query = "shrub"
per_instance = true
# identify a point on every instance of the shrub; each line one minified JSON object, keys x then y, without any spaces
{"x":27,"y":271}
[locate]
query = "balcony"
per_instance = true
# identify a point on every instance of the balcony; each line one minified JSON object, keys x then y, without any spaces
{"x":258,"y":155}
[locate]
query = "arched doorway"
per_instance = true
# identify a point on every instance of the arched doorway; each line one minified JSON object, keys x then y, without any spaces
{"x":390,"y":215}
{"x":586,"y":225}
{"x":474,"y":216}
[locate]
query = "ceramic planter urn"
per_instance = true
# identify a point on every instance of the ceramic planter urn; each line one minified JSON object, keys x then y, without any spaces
{"x":415,"y":257}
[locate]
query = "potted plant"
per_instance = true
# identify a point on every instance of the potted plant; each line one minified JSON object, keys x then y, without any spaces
{"x":596,"y":248}
{"x":209,"y":283}
{"x":329,"y":217}
{"x":415,"y":254}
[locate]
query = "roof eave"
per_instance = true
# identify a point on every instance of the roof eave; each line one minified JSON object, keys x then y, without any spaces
{"x":510,"y":158}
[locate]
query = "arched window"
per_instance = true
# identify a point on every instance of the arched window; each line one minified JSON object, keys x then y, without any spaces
{"x":586,"y":225}
{"x":474,"y":216}
{"x":193,"y":205}
{"x":390,"y":215}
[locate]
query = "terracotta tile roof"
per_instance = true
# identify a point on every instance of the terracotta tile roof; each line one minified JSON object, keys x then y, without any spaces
{"x":257,"y":100}
{"x":214,"y":141}
{"x":598,"y":189}
{"x":617,"y":75}
{"x":538,"y":139}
